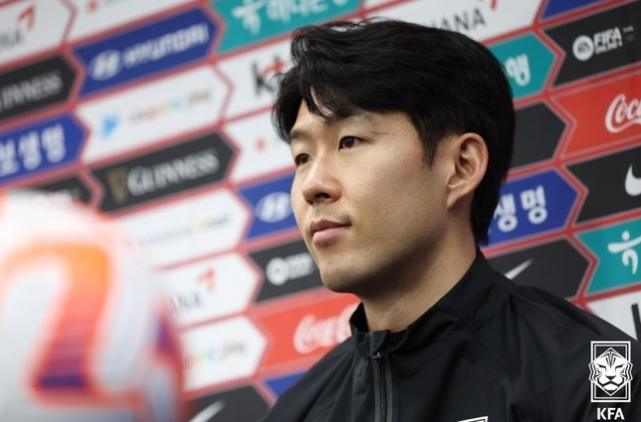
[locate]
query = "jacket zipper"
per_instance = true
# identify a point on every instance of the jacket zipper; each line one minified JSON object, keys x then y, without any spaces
{"x":382,"y":388}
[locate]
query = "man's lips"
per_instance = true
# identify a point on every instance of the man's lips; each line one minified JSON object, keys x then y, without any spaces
{"x":323,"y":225}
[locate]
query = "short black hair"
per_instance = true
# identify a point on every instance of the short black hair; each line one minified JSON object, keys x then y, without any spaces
{"x":445,"y":82}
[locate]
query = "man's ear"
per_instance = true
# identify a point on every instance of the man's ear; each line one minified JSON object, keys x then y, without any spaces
{"x":469,"y":156}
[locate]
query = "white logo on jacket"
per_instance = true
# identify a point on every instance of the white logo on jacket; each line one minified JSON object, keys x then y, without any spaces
{"x":610,"y":371}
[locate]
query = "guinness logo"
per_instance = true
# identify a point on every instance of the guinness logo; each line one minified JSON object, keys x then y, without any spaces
{"x":117,"y":179}
{"x":164,"y":172}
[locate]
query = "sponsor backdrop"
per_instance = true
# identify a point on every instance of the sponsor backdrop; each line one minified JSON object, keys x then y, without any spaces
{"x":157,"y":113}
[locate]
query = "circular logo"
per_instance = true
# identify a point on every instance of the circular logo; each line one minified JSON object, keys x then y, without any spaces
{"x":105,"y":65}
{"x":583,"y":48}
{"x":277,"y":271}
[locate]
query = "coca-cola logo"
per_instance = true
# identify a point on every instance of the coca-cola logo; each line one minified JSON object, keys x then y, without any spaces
{"x":312,"y":334}
{"x":623,"y":114}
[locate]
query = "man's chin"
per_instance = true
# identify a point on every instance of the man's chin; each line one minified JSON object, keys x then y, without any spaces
{"x":342,"y":283}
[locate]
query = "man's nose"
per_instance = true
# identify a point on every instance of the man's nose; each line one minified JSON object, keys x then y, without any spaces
{"x":320,"y":183}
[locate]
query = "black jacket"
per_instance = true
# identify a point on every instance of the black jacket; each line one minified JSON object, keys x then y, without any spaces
{"x":488,"y":351}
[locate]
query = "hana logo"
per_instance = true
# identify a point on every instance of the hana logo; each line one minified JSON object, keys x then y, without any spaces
{"x":610,"y":371}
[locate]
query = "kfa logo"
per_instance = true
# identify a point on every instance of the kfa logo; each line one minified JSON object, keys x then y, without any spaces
{"x":610,"y":371}
{"x":609,"y":414}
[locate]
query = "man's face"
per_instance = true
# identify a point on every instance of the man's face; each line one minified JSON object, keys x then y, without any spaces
{"x":370,"y":210}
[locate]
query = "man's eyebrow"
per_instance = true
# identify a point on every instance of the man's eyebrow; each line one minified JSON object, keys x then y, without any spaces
{"x":297,"y":135}
{"x":354,"y":114}
{"x":300,"y":134}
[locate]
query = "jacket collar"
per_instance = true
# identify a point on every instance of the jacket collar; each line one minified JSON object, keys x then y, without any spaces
{"x":468,"y":305}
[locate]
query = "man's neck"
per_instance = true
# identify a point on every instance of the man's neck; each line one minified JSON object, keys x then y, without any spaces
{"x":398,"y":308}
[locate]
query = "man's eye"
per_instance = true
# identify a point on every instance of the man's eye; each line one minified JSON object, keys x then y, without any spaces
{"x":348,"y":142}
{"x":301,"y":159}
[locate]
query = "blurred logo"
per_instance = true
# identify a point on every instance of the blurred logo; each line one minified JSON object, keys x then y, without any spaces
{"x":263,"y":76}
{"x":238,"y":404}
{"x":303,"y":330}
{"x":617,"y":250}
{"x":274,"y":207}
{"x":117,"y":178}
{"x":214,"y":354}
{"x":529,"y":267}
{"x":629,"y":256}
{"x":34,"y":86}
{"x":105,"y":65}
{"x":220,"y":352}
{"x":514,"y":272}
{"x":10,"y":38}
{"x":288,"y":269}
{"x":146,"y":50}
{"x":29,"y":27}
{"x":527,"y":62}
{"x":313,"y":333}
{"x":524,"y":206}
{"x":280,"y":270}
{"x":67,"y":190}
{"x":208,"y":412}
{"x":145,"y":114}
{"x":35,"y":149}
{"x":214,"y":288}
{"x":253,"y":78}
{"x":465,"y":21}
{"x":518,"y":68}
{"x":623,"y":113}
{"x":175,"y":169}
{"x":611,"y":42}
{"x":189,"y":228}
{"x":632,"y":183}
{"x":109,"y":124}
{"x":585,"y":47}
{"x":249,"y":21}
{"x":610,"y":183}
{"x":612,"y":114}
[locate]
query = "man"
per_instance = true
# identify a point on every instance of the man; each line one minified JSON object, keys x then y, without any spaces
{"x":402,"y":136}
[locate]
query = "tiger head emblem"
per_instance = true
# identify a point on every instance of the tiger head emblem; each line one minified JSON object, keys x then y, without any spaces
{"x":610,"y":371}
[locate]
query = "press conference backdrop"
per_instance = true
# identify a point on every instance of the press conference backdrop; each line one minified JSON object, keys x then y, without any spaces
{"x":158,"y":113}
